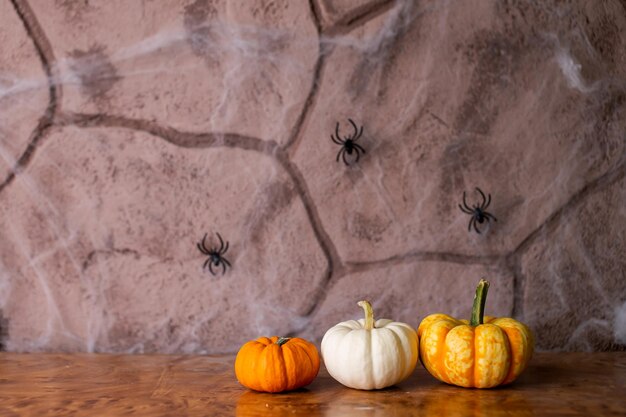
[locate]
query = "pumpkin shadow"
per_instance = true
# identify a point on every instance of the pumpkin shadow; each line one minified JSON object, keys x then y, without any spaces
{"x":543,"y":375}
{"x":475,"y":403}
{"x":300,"y":402}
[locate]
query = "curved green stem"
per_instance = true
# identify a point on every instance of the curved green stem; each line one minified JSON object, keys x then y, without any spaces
{"x":478,"y":309}
{"x":369,"y":314}
{"x":282,"y":340}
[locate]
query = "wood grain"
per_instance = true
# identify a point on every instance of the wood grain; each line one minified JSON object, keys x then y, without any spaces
{"x":123,"y":385}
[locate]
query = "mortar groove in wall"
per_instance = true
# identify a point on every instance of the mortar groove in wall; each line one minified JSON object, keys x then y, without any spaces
{"x":550,"y":224}
{"x":425,"y":257}
{"x":335,"y":266}
{"x":294,"y":136}
{"x":46,"y":56}
{"x":359,"y":17}
{"x":315,"y":12}
{"x":611,"y":176}
{"x":169,"y":134}
{"x":41,"y":43}
{"x":359,"y":267}
{"x":91,"y":256}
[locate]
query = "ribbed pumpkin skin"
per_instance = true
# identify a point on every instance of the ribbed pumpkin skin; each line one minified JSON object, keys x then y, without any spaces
{"x":484,"y":356}
{"x":263,"y":365}
{"x":370,"y":359}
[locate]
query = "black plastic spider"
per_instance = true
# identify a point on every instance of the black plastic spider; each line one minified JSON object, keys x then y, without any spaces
{"x":216,"y":256}
{"x":348,"y":144}
{"x":477,"y":212}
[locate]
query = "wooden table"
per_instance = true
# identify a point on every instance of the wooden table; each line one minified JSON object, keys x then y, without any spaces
{"x":122,"y":385}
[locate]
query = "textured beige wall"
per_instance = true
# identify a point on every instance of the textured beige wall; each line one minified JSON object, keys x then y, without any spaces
{"x":128,"y":130}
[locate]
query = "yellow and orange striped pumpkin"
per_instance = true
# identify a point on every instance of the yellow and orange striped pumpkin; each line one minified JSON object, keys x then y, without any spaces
{"x":483,"y":352}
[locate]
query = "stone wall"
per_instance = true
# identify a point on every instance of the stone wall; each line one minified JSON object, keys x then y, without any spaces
{"x":129,"y":130}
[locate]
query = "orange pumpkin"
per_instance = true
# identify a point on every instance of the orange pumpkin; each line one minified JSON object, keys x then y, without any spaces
{"x":276,"y":364}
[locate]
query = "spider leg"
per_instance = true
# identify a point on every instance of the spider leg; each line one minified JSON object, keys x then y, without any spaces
{"x":221,"y":242}
{"x":225,"y":249}
{"x":201,"y":249}
{"x":487,"y":203}
{"x":226,"y":262}
{"x":339,"y":153}
{"x":358,"y":155}
{"x":337,"y":141}
{"x":469,"y":225}
{"x":489,"y":215}
{"x":357,"y":146}
{"x":345,"y":161}
{"x":356,"y":129}
{"x":476,"y":227}
{"x":465,"y":204}
{"x":206,"y":263}
{"x":337,"y":131}
{"x":223,"y":268}
{"x":205,"y":251}
{"x":211,"y":268}
{"x":483,"y":196}
{"x":465,"y":210}
{"x":358,"y":135}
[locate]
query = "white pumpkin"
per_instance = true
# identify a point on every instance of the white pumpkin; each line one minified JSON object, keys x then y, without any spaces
{"x":368,"y":354}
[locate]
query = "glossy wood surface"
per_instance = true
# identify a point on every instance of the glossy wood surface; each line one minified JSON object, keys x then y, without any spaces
{"x":107,"y":385}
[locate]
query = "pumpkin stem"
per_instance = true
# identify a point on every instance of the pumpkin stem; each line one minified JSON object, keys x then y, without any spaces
{"x":369,"y":314}
{"x":282,"y":340}
{"x":478,"y":309}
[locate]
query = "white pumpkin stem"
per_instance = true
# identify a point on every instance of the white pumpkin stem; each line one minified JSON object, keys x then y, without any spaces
{"x":369,"y":314}
{"x":478,"y":309}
